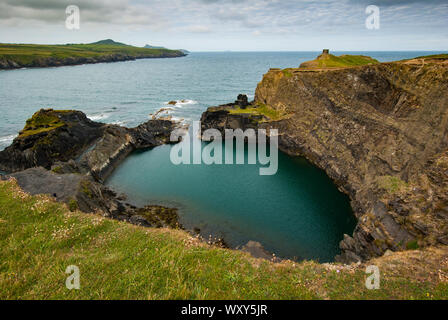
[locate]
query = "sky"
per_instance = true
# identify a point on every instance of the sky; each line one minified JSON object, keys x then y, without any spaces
{"x":233,"y":25}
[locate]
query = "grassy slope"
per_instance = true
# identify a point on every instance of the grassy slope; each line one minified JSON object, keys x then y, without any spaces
{"x":260,"y":109}
{"x":434,"y":56}
{"x":332,"y":61}
{"x":42,"y":122}
{"x":40,"y":238}
{"x":26,"y":53}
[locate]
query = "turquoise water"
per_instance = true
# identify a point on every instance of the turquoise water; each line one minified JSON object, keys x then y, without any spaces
{"x":296,"y":213}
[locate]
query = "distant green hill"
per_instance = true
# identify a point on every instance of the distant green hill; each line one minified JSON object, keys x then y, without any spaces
{"x":110,"y":42}
{"x":13,"y":56}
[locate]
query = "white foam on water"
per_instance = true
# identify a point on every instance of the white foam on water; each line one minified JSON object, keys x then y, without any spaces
{"x":7,"y":139}
{"x":97,"y":117}
{"x":118,"y":123}
{"x":181,"y":103}
{"x":177,"y":119}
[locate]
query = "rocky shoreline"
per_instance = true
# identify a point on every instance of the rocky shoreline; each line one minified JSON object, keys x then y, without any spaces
{"x":379,"y":131}
{"x":67,"y":156}
{"x":9,"y":64}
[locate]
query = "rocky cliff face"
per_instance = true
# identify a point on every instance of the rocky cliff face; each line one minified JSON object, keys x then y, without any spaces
{"x":54,"y":136}
{"x":381,"y":133}
{"x":50,"y":136}
{"x":68,"y":156}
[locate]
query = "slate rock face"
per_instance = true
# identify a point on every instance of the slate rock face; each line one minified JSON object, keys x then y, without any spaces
{"x":67,"y":156}
{"x":54,"y":136}
{"x":380,"y":132}
{"x":50,"y":136}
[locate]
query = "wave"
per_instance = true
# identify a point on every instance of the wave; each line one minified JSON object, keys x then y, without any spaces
{"x":181,"y":103}
{"x":118,"y":123}
{"x":7,"y":139}
{"x":97,"y":117}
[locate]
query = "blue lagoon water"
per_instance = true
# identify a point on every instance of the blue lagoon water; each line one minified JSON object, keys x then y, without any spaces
{"x":296,"y":213}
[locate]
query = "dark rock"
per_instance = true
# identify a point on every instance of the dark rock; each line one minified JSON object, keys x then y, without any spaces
{"x":79,"y":145}
{"x":242,"y":101}
{"x":139,"y":220}
{"x":220,"y":118}
{"x":257,"y":250}
{"x":39,"y":144}
{"x":81,"y":153}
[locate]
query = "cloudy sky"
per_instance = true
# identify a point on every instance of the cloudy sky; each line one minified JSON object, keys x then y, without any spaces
{"x":244,"y":25}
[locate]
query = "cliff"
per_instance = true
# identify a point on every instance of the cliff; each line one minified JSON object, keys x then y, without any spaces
{"x":380,"y":132}
{"x":52,"y":136}
{"x":68,"y":156}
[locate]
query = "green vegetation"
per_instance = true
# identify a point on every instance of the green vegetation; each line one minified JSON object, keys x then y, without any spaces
{"x":412,"y":245}
{"x":109,"y":42}
{"x":85,"y":186}
{"x":42,"y":122}
{"x":435,"y":56}
{"x":34,"y":54}
{"x":73,"y":205}
{"x":57,"y":169}
{"x":260,"y":109}
{"x":40,"y":238}
{"x":287,"y":73}
{"x":392,"y":184}
{"x":332,"y":61}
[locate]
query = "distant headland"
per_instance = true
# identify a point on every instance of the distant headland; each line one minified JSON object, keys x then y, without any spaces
{"x":15,"y":56}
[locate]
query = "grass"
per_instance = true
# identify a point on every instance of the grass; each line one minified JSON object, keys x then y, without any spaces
{"x":40,"y":238}
{"x":434,"y":56}
{"x":392,"y":184}
{"x":332,"y":61}
{"x":27,"y":54}
{"x":412,"y":245}
{"x":260,"y":109}
{"x":42,"y":122}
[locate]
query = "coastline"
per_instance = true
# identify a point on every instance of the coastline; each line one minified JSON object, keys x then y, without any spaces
{"x":17,"y":56}
{"x":12,"y":65}
{"x":363,"y":143}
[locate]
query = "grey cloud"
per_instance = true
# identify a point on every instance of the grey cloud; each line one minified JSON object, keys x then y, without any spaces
{"x":93,"y":11}
{"x":398,"y":2}
{"x":226,"y":16}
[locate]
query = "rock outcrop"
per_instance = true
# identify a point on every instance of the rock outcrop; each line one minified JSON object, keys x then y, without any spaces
{"x":380,"y":132}
{"x":52,"y":137}
{"x":68,"y":156}
{"x":222,"y":118}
